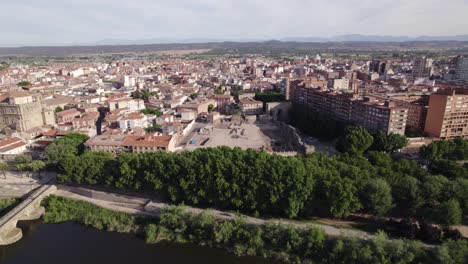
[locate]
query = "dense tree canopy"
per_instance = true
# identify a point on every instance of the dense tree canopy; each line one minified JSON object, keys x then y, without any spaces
{"x":377,"y":196}
{"x":388,"y":143}
{"x":269,"y":96}
{"x":71,"y":144}
{"x":256,"y":182}
{"x":456,"y":149}
{"x":355,"y":140}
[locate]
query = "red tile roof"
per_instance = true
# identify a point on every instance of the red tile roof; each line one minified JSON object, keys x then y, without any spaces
{"x":9,"y":141}
{"x":147,"y":141}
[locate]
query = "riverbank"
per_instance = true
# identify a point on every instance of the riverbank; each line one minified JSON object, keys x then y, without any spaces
{"x":146,"y":207}
{"x":275,"y":241}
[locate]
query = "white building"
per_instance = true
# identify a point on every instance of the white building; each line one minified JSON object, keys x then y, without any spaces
{"x":12,"y":146}
{"x":133,"y":120}
{"x":341,"y":84}
{"x":133,"y":105}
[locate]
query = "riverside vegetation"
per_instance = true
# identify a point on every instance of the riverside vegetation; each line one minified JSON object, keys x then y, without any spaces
{"x":7,"y":204}
{"x":285,"y":243}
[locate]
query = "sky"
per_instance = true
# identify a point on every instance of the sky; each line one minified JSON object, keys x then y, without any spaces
{"x":56,"y":22}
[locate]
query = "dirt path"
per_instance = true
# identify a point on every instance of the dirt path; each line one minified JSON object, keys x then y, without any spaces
{"x":146,"y":207}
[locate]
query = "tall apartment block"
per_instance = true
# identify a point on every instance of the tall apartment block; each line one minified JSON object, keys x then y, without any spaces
{"x":370,"y":112}
{"x":461,"y":72}
{"x":447,"y":116}
{"x":422,"y":67}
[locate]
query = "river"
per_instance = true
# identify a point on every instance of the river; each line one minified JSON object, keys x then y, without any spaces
{"x":70,"y":243}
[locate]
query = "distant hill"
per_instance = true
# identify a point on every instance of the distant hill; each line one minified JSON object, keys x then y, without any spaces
{"x":341,"y":43}
{"x":376,"y":38}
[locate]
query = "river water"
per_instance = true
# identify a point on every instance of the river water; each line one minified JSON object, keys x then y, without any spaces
{"x":70,"y":243}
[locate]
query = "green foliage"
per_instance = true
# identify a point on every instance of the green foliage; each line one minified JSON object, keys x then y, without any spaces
{"x":61,"y":210}
{"x":24,"y":84}
{"x":456,"y":149}
{"x":249,"y":181}
{"x":23,"y":159}
{"x":255,"y":182}
{"x":71,"y":144}
{"x":389,"y":143}
{"x":442,"y":156}
{"x":355,"y":140}
{"x":210,"y":108}
{"x":144,"y":95}
{"x":7,"y":204}
{"x":451,"y":213}
{"x":194,"y":95}
{"x":453,"y":252}
{"x":377,"y":196}
{"x":151,"y":233}
{"x":269,"y":96}
{"x":448,"y":168}
{"x":153,"y":128}
{"x":285,"y":243}
{"x":3,"y":167}
{"x":219,"y":90}
{"x":58,"y":109}
{"x":148,"y":111}
{"x":37,"y":165}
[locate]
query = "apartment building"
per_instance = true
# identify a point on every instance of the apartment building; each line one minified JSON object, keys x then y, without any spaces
{"x":249,"y":106}
{"x":422,"y":67}
{"x":417,"y":105}
{"x":461,"y":72}
{"x":447,"y":116}
{"x":370,"y":112}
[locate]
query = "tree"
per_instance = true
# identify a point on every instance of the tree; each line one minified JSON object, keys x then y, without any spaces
{"x":455,"y":149}
{"x":71,"y":144}
{"x":153,"y":128}
{"x":149,"y":111}
{"x":448,"y":168}
{"x":355,"y":140}
{"x":407,"y":193}
{"x":269,"y":96}
{"x":24,"y":83}
{"x":450,"y":213}
{"x":194,"y":95}
{"x":210,"y":108}
{"x":58,"y":109}
{"x":3,"y":168}
{"x":377,"y":197}
{"x":389,"y":143}
{"x":23,"y":159}
{"x":37,"y":165}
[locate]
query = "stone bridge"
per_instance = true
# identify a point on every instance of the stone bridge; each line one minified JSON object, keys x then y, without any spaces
{"x":29,"y":209}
